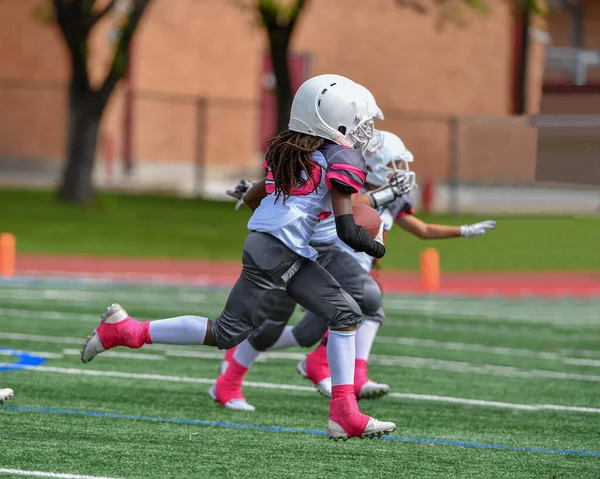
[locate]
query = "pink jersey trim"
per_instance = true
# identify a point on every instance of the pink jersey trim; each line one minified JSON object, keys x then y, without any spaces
{"x":351,"y":168}
{"x":330,"y":175}
{"x":309,"y":187}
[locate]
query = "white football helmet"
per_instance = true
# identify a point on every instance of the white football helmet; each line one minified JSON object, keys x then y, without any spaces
{"x":374,"y":109}
{"x":332,"y":107}
{"x":385,"y":155}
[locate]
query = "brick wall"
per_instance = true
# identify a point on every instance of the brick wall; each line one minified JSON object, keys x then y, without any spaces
{"x":189,"y":49}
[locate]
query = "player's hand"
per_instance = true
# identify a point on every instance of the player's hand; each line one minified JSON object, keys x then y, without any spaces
{"x":240,"y":190}
{"x":397,"y":186}
{"x":400,"y":184}
{"x":478,"y":229}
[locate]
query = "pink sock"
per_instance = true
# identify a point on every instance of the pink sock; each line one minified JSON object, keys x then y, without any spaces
{"x":361,"y":375}
{"x":320,"y":352}
{"x":341,"y":391}
{"x":234,"y":375}
{"x":343,"y":409}
{"x":129,"y":332}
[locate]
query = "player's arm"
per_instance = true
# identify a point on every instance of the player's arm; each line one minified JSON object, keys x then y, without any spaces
{"x":255,"y":194}
{"x":347,"y":230}
{"x":426,"y":231}
{"x":241,"y":190}
{"x":362,"y":200}
{"x":397,"y":187}
{"x":344,"y":177}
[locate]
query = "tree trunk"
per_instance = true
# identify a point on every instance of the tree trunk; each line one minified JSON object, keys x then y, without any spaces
{"x":85,"y":112}
{"x":280,"y":41}
{"x":523,"y":62}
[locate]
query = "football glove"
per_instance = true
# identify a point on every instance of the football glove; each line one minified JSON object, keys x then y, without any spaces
{"x":398,"y":186}
{"x":478,"y":229}
{"x":240,"y":190}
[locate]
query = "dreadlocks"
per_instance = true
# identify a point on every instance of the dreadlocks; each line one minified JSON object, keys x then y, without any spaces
{"x":288,"y":155}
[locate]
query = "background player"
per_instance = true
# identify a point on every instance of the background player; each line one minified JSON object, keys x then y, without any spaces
{"x":313,"y":170}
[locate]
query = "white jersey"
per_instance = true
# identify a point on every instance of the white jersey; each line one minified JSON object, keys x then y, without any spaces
{"x":294,"y":222}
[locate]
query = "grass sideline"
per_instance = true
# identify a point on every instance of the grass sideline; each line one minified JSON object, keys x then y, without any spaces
{"x":158,"y":226}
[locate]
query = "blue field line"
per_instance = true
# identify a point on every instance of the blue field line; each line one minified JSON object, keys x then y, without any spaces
{"x":26,"y":360}
{"x":227,"y":425}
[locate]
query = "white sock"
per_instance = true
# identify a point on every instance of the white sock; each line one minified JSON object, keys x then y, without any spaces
{"x":340,"y":354}
{"x":179,"y":330}
{"x":365,"y":335}
{"x":286,"y":340}
{"x":245,"y":354}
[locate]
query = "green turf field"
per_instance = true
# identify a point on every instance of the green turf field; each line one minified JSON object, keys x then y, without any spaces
{"x":171,"y":227}
{"x":465,"y":375}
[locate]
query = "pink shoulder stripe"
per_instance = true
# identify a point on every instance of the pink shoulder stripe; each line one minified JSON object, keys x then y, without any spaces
{"x":342,"y":179}
{"x":351,"y":168}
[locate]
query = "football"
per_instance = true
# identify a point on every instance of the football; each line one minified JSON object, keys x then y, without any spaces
{"x":368,"y":218}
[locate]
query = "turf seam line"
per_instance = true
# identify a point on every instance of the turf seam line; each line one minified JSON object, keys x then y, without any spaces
{"x":196,"y":422}
{"x":57,"y":475}
{"x":311,"y":389}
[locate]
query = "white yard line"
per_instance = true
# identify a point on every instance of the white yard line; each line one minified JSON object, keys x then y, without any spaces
{"x":499,"y":350}
{"x":480,"y":348}
{"x":582,"y":362}
{"x":492,"y":328}
{"x":291,"y":387}
{"x":504,"y":311}
{"x":498,"y":404}
{"x":55,"y":315}
{"x":190,"y":352}
{"x":36,"y":338}
{"x":120,"y":355}
{"x":49,"y":315}
{"x":41,"y":354}
{"x":85,"y":296}
{"x":57,"y":475}
{"x":484,"y":369}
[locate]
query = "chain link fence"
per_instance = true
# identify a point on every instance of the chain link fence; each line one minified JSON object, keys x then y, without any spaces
{"x":195,"y":145}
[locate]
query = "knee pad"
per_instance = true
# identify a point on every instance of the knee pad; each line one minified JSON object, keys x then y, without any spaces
{"x":371,"y":301}
{"x":267,"y":335}
{"x":351,"y":315}
{"x":274,"y":311}
{"x":310,"y":330}
{"x":274,"y":304}
{"x":224,"y":338}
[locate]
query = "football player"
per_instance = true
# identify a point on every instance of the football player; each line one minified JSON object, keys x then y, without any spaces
{"x":314,"y":168}
{"x":388,"y":162}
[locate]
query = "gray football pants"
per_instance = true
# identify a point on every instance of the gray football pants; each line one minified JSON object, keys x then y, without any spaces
{"x":272,"y":281}
{"x":353,"y":279}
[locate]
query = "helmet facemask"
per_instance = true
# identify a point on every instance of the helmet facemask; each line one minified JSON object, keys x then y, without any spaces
{"x":385,"y":159}
{"x":362,"y":133}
